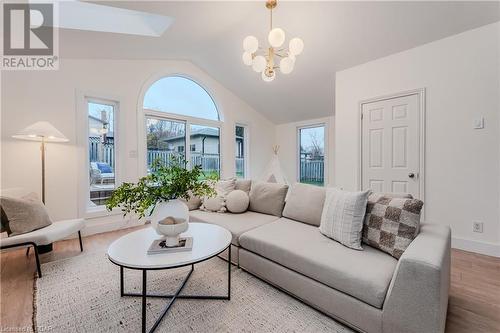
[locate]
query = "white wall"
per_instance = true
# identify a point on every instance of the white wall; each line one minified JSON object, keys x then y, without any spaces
{"x":31,"y":96}
{"x":286,"y":138}
{"x":462,"y":81}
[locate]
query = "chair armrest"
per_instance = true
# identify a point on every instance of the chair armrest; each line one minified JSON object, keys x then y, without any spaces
{"x":417,"y":298}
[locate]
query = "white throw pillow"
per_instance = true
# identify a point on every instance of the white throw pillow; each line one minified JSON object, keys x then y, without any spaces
{"x":342,"y":217}
{"x":218,"y":202}
{"x":237,"y":201}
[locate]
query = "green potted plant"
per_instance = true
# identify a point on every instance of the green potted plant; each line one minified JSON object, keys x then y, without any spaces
{"x":159,"y":194}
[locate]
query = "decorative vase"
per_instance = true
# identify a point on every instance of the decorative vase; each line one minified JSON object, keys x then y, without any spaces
{"x":176,"y":209}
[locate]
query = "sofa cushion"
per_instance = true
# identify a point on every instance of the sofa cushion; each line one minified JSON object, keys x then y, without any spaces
{"x":235,"y":223}
{"x":304,"y":203}
{"x":268,"y":198}
{"x":365,"y":275}
{"x":243,"y":184}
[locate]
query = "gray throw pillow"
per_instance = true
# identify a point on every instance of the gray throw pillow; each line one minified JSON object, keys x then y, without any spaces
{"x":24,"y":214}
{"x":268,"y":198}
{"x":244,"y":185}
{"x":391,"y":224}
{"x":342,"y":217}
{"x":304,"y":203}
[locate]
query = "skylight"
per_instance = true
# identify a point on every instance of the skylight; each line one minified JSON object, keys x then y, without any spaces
{"x":94,"y":17}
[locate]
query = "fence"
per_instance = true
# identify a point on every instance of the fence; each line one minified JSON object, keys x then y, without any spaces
{"x":312,"y":171}
{"x":209,"y":162}
{"x":101,"y":152}
{"x":240,"y":167}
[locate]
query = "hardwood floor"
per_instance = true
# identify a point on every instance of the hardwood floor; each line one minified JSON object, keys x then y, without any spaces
{"x":474,"y":304}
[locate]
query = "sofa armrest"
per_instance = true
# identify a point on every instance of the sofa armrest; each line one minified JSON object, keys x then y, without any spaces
{"x":417,"y":298}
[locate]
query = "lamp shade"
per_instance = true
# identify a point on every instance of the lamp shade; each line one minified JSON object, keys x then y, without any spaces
{"x":41,"y":130}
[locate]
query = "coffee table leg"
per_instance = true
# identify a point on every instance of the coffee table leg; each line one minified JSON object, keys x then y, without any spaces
{"x":121,"y":281}
{"x":144,"y":279}
{"x":229,"y":275}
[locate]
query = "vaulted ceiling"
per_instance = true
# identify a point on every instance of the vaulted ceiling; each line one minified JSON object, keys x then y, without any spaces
{"x":337,"y":35}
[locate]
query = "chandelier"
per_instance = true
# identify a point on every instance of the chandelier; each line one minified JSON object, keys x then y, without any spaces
{"x":264,"y":60}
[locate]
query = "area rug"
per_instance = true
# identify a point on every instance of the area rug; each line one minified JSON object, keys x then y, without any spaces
{"x":82,"y":294}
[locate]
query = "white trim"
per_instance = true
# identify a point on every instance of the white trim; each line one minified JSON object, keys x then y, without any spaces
{"x":313,"y":124}
{"x":486,"y":248}
{"x":421,"y":132}
{"x":82,"y":97}
{"x":98,"y":226}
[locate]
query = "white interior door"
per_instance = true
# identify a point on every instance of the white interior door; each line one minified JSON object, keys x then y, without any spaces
{"x":390,"y":145}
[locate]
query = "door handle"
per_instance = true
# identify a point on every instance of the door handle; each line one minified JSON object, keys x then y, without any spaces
{"x":411,"y":175}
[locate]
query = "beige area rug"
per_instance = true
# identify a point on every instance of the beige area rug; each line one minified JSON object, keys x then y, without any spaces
{"x":82,"y":294}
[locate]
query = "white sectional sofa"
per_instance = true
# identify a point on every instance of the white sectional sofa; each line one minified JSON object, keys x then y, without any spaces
{"x":367,"y":290}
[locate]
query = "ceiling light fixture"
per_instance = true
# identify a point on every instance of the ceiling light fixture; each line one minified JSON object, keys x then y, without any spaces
{"x":263,"y":60}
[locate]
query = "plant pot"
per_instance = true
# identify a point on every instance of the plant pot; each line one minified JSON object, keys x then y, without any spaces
{"x":175,"y":208}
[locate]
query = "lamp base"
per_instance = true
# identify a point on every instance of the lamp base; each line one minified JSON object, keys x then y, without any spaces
{"x":44,"y":248}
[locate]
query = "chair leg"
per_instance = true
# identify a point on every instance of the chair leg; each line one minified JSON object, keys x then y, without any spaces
{"x":80,"y":239}
{"x":28,"y":251}
{"x":37,"y":261}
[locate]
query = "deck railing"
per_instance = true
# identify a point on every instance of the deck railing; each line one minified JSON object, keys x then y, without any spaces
{"x":99,"y":152}
{"x":312,"y":171}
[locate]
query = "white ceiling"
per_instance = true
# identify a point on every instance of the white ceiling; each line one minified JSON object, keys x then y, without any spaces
{"x":337,"y":35}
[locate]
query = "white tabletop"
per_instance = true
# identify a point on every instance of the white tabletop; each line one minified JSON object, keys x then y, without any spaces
{"x":131,"y":250}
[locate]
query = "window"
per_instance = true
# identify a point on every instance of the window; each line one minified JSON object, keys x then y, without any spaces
{"x":165,"y":138}
{"x":182,"y":96}
{"x":180,"y":114}
{"x":312,"y":155}
{"x":241,"y":151}
{"x":101,"y":150}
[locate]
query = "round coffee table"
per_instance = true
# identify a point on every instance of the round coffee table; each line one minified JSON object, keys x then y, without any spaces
{"x":130,"y":251}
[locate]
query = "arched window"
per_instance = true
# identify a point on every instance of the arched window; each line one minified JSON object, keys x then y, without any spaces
{"x":182,"y":120}
{"x":182,"y":96}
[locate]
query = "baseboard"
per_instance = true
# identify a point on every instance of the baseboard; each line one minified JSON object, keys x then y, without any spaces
{"x":93,"y":226}
{"x":486,"y":248}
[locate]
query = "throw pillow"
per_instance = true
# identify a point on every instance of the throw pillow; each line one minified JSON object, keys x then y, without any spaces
{"x":104,"y":167}
{"x":193,"y":203}
{"x":218,"y":202}
{"x":237,"y":201}
{"x":391,"y":224}
{"x":24,"y":215}
{"x":305,"y":203}
{"x":268,"y":198}
{"x":342,"y":217}
{"x":244,"y":185}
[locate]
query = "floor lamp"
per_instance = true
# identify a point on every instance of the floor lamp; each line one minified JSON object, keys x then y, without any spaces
{"x":43,"y":132}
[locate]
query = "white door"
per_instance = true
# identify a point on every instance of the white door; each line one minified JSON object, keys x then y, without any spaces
{"x":390,"y":145}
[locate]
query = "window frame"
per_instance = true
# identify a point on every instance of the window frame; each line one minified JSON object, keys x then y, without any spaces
{"x":246,"y":150}
{"x":144,"y":113}
{"x":82,"y":123}
{"x":325,"y":153}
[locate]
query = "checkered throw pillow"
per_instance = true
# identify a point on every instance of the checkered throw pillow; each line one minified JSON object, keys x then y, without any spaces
{"x":391,"y":223}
